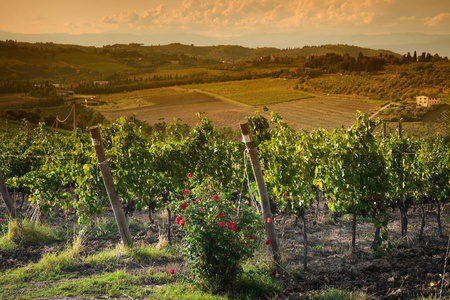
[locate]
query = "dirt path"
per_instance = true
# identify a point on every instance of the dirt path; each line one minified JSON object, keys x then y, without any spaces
{"x":379,"y":111}
{"x":222,"y":98}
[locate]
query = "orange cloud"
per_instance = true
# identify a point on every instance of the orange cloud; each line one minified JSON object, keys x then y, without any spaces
{"x":438,"y":20}
{"x":270,"y":15}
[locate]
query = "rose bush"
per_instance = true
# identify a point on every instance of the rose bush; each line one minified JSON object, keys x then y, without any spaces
{"x":219,"y":236}
{"x":3,"y":226}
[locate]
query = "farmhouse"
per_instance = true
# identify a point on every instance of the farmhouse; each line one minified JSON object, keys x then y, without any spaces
{"x":426,"y":101}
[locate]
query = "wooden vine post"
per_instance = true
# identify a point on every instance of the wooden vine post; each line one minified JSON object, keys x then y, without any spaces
{"x":403,"y":217}
{"x":6,"y":198}
{"x":109,"y":185}
{"x":265,"y":206}
{"x":74,"y":117}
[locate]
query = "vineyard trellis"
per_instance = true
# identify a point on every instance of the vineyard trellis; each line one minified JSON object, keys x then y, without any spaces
{"x":356,"y":169}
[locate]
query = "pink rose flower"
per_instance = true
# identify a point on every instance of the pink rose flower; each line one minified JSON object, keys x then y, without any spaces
{"x":216,"y":198}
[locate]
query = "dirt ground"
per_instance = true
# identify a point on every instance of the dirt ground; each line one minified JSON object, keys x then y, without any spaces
{"x":412,"y":270}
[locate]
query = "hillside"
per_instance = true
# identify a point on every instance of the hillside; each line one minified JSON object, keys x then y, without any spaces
{"x":66,"y":63}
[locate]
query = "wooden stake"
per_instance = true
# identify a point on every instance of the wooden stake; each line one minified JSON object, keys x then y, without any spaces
{"x":5,"y":195}
{"x":74,"y":117}
{"x":265,"y":205}
{"x":109,"y":185}
{"x":403,"y":217}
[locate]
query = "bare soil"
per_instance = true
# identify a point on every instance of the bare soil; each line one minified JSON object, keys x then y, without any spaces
{"x":412,"y":269}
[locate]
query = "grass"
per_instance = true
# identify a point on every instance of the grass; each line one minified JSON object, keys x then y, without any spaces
{"x":69,"y":274}
{"x":255,"y":92}
{"x":27,"y":233}
{"x":64,"y":276}
{"x":339,"y":294}
{"x":137,"y":253}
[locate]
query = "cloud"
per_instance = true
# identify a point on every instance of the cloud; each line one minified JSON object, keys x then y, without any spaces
{"x":222,"y":16}
{"x":125,"y":17}
{"x":438,"y":20}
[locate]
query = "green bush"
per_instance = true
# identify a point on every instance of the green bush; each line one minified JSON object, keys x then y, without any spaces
{"x":219,"y":235}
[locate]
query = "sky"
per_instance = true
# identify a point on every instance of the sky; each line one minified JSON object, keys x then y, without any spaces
{"x":226,"y":18}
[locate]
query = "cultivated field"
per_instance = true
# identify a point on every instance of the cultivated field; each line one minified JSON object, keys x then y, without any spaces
{"x":229,"y":105}
{"x":13,"y":99}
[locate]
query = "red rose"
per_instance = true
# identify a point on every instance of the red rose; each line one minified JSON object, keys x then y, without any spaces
{"x":181,"y":222}
{"x":189,"y":175}
{"x":186,"y":191}
{"x":274,"y":272}
{"x":177,"y":220}
{"x":216,"y":198}
{"x":269,"y":220}
{"x":222,"y":224}
{"x":171,"y":271}
{"x":183,"y":206}
{"x":250,"y":237}
{"x":220,"y":215}
{"x":268,"y":242}
{"x":232,"y":226}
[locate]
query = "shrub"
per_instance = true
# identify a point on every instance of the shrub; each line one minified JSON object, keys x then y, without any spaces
{"x":219,"y":235}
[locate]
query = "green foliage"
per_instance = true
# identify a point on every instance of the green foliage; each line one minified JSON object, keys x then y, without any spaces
{"x":358,"y":170}
{"x":219,"y":235}
{"x":382,"y":246}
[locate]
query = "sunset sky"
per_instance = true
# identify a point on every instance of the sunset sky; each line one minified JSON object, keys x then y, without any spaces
{"x":226,"y":18}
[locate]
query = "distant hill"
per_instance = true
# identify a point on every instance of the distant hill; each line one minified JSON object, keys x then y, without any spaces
{"x":219,"y":52}
{"x":240,"y":53}
{"x":401,"y":43}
